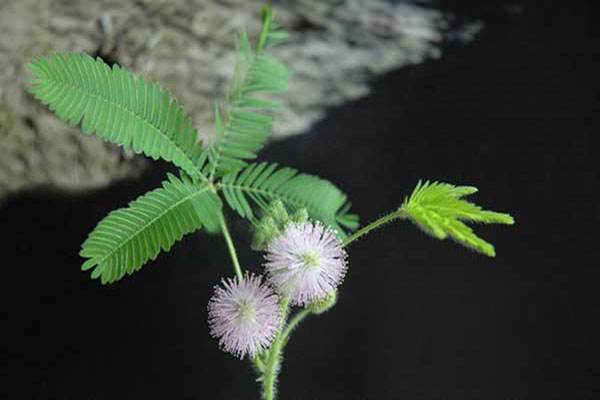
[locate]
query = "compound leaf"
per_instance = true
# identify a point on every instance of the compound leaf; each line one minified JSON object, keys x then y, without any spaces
{"x":244,"y":128}
{"x":262,"y":183}
{"x":131,"y":112}
{"x":127,"y":238}
{"x":438,"y":209}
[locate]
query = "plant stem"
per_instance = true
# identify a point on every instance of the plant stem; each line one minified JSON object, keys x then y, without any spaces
{"x":258,"y":364}
{"x":299,"y":317}
{"x":373,"y":225}
{"x":271,"y":370}
{"x":232,"y":252}
{"x":271,"y":367}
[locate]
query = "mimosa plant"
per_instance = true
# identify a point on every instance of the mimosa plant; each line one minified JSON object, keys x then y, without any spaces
{"x":302,"y":223}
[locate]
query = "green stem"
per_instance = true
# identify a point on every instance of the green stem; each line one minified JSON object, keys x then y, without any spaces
{"x":299,"y":317}
{"x":258,"y":364}
{"x":232,"y":252}
{"x":373,"y":225}
{"x":271,"y":368}
{"x":264,"y":32}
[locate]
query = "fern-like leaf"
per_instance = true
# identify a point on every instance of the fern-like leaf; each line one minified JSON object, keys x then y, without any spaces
{"x":134,"y":113}
{"x":263,"y":183}
{"x":438,"y":208}
{"x":244,"y":130}
{"x":127,"y":238}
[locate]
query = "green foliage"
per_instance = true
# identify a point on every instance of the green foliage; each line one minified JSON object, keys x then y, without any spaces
{"x":438,"y":208}
{"x":243,"y":131}
{"x":132,"y":112}
{"x":136,"y":113}
{"x":127,"y":238}
{"x":262,"y":183}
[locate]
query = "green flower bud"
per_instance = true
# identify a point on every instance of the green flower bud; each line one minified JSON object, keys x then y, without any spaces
{"x":278,"y":212}
{"x":266,"y":231}
{"x":300,"y":216}
{"x":274,"y":223}
{"x":324,"y":304}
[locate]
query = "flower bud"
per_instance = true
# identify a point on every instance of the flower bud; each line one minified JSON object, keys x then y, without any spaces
{"x":300,"y":216}
{"x":266,"y":231}
{"x":278,"y":212}
{"x":325,"y":304}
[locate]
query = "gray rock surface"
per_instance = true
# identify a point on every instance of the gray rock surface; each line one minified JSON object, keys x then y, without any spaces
{"x":187,"y":46}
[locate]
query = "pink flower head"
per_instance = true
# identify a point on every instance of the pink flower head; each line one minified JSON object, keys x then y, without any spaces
{"x":244,"y":315}
{"x":307,"y":262}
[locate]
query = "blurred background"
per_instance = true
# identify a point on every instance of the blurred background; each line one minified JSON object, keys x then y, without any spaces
{"x":493,"y":94}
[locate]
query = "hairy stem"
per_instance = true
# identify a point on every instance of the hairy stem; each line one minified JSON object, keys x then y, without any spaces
{"x":271,"y":366}
{"x":294,"y":322}
{"x":230,"y":246}
{"x":258,"y":364}
{"x":374,"y":225}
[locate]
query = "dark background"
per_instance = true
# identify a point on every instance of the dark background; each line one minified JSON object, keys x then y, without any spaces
{"x":513,"y":113}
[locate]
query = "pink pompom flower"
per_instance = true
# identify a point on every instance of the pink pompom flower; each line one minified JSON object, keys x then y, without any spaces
{"x":307,"y":262}
{"x":244,"y":315}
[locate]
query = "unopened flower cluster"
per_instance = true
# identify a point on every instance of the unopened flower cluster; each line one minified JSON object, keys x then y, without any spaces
{"x":304,"y":261}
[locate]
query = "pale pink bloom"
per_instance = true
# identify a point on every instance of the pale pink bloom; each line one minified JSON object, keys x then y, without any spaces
{"x":244,"y":315}
{"x":307,"y":262}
